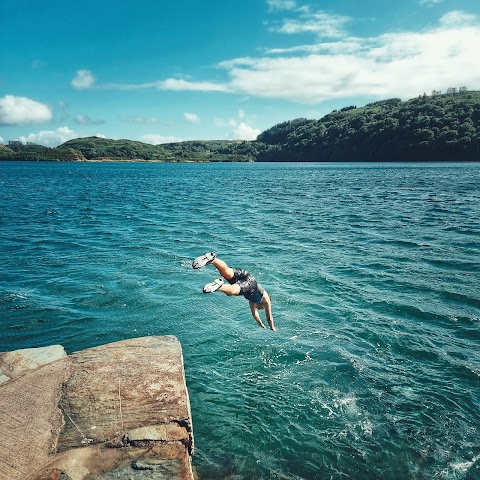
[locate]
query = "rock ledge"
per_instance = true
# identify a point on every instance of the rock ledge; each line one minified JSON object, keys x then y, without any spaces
{"x":119,"y":411}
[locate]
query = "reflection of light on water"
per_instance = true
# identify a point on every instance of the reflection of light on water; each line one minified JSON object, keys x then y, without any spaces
{"x":15,"y":296}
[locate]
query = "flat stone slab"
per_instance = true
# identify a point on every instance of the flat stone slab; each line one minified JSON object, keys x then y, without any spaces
{"x":30,"y":420}
{"x":123,"y":386}
{"x":119,"y":410}
{"x":16,"y":363}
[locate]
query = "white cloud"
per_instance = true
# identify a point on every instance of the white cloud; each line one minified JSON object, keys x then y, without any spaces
{"x":458,"y":18}
{"x":245,"y":132}
{"x":281,"y":4}
{"x":348,"y":46}
{"x":86,"y":120}
{"x":50,"y":138}
{"x":158,"y":139}
{"x":2,"y":140}
{"x":84,"y":79}
{"x":191,"y":117}
{"x":320,"y":23}
{"x":141,"y":120}
{"x":170,"y":84}
{"x":241,"y":129}
{"x":429,"y":3}
{"x":22,"y":110}
{"x":181,"y":85}
{"x":403,"y":64}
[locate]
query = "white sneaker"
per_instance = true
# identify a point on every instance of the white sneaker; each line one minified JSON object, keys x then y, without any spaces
{"x":203,"y":260}
{"x":214,"y":286}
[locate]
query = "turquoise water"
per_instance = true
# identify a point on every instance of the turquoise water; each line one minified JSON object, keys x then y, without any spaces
{"x":374,"y":372}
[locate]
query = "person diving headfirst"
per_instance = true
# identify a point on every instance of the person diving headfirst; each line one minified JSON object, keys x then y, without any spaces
{"x":240,"y":282}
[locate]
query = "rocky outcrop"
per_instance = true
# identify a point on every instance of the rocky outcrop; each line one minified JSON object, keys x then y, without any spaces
{"x":115,"y":411}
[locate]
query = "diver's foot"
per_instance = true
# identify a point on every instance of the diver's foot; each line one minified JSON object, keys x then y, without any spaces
{"x":203,"y":260}
{"x":214,"y":286}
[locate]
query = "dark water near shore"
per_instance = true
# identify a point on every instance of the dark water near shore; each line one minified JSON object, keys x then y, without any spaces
{"x":374,"y":372}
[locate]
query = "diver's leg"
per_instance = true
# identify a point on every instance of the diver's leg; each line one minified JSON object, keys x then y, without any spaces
{"x":220,"y":286}
{"x":223,"y":269}
{"x":230,"y":290}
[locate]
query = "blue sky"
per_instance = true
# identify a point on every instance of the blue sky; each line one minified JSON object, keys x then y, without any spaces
{"x":160,"y":71}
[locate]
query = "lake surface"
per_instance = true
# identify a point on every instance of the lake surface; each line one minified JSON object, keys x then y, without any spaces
{"x":374,"y":372}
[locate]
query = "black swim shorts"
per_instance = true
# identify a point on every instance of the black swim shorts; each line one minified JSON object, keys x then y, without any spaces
{"x":249,"y":287}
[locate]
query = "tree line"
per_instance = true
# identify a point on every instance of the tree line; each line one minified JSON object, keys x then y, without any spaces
{"x":441,"y":127}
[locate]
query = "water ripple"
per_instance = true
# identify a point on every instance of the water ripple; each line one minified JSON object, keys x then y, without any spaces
{"x":373,"y":269}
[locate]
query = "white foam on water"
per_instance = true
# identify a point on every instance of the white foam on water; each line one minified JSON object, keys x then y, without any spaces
{"x":458,"y":469}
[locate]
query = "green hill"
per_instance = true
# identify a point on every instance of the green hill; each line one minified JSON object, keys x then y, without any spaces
{"x":428,"y":128}
{"x":440,"y":127}
{"x":5,"y":150}
{"x":95,"y":148}
{"x":31,"y":152}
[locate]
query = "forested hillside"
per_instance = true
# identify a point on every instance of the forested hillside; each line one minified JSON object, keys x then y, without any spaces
{"x":103,"y":149}
{"x":439,"y":127}
{"x":429,"y":128}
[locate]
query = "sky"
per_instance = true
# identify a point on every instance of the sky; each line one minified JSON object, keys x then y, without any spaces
{"x":158,"y":71}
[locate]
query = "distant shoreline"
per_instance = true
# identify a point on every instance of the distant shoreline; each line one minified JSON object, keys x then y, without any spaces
{"x":431,"y":128}
{"x":136,"y":160}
